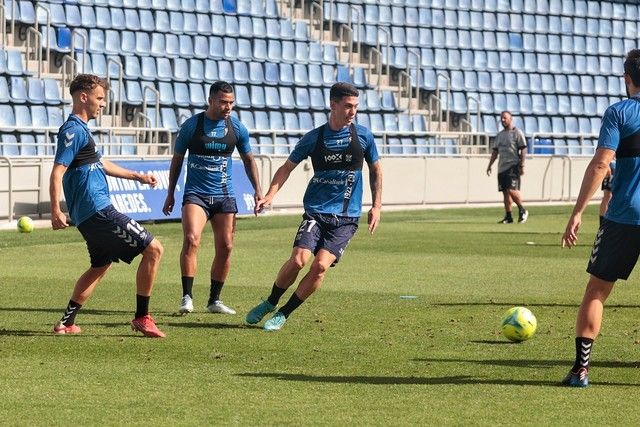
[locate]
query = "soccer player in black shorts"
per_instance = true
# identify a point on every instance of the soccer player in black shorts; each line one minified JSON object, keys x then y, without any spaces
{"x":110,"y":236}
{"x":617,"y":243}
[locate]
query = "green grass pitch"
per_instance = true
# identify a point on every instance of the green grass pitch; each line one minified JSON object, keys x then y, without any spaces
{"x":356,"y":353}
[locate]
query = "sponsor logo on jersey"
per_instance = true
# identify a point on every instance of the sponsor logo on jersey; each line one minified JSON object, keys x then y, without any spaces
{"x":333,"y":158}
{"x":328,"y":181}
{"x":215,"y":146}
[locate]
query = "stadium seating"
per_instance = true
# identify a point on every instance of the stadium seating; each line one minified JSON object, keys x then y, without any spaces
{"x":544,"y":60}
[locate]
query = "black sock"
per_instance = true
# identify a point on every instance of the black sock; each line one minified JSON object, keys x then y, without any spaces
{"x":293,"y":303}
{"x":601,"y":218}
{"x":276,"y":293}
{"x":521,"y":209}
{"x":142,"y":305}
{"x":508,"y":215}
{"x":583,"y":353}
{"x":69,"y":316}
{"x":187,"y":286}
{"x":214,"y":293}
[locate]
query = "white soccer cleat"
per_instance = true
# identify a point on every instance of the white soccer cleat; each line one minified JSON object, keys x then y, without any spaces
{"x":219,"y":307}
{"x":186,"y":305}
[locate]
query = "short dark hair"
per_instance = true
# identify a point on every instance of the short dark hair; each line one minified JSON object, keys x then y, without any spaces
{"x":220,"y":86}
{"x":87,"y":82}
{"x":340,"y":90}
{"x":506,"y":111}
{"x":632,"y":66}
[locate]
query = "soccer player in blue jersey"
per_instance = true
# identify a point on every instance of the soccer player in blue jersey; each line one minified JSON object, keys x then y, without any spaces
{"x":211,"y":138}
{"x":111,"y":236}
{"x":617,"y":244}
{"x":332,"y":202}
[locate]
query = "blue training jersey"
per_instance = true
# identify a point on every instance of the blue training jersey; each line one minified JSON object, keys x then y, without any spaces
{"x":210,"y":175}
{"x":620,"y":132}
{"x":327,"y":191}
{"x":85,"y":186}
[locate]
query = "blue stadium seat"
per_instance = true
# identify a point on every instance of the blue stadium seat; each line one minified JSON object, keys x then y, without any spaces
{"x":54,"y":115}
{"x":276,"y":120}
{"x":319,"y":119}
{"x":7,"y":117}
{"x":181,"y":94}
{"x":51,"y":92}
{"x":261,"y":120}
{"x":197,"y":96}
{"x":305,"y":120}
{"x":287,"y":99}
{"x":196,"y":70}
{"x":210,"y":70}
{"x":290,"y":121}
{"x":166,"y":93}
{"x":242,"y":98}
{"x":240,"y":72}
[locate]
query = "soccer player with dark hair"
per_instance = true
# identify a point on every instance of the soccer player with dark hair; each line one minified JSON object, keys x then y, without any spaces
{"x":332,"y":202}
{"x":110,"y":235}
{"x":511,"y":146}
{"x":211,"y":138}
{"x":617,"y":244}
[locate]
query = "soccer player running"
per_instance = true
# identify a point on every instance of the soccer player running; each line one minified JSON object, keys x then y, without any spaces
{"x":111,"y":236}
{"x":511,"y":146}
{"x":616,"y":247}
{"x":210,"y":137}
{"x":332,"y":202}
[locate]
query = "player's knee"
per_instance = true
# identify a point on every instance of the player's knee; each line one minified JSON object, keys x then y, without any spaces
{"x":191,"y":241}
{"x":318,"y":269}
{"x":298,"y":262}
{"x":155,"y":249}
{"x":225,"y":248}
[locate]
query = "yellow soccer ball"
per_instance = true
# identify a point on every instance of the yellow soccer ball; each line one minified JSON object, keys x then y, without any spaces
{"x":25,"y":224}
{"x":518,"y":324}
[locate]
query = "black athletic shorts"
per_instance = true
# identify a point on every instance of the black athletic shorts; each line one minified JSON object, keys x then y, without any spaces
{"x":615,"y":251}
{"x":606,"y":184}
{"x":112,"y":236}
{"x":509,"y":179}
{"x":212,"y":205}
{"x":325,"y":231}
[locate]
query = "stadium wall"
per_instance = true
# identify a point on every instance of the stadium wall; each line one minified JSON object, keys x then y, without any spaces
{"x":413,"y":181}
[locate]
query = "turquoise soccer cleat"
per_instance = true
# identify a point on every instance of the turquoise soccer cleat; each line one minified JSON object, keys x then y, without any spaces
{"x":275,"y":323}
{"x":258,"y":312}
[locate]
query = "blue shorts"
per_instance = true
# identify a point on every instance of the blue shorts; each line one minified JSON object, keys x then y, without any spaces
{"x":112,"y":236}
{"x":325,"y":231}
{"x":615,"y":251}
{"x":212,"y":205}
{"x":509,"y":179}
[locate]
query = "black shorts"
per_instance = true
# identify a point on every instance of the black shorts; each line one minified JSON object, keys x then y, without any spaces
{"x":606,"y":184}
{"x":112,"y":236}
{"x":615,"y":251}
{"x":509,"y":179}
{"x":212,"y":205}
{"x":325,"y":231}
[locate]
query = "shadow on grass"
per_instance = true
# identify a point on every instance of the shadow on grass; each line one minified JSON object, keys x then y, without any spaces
{"x":27,"y":333}
{"x":60,"y":309}
{"x":205,"y":325}
{"x":411,"y":380}
{"x":532,"y":363}
{"x":520,"y":303}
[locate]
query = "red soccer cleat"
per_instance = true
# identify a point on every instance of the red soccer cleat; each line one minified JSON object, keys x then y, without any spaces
{"x":147,"y":326}
{"x":62,"y":329}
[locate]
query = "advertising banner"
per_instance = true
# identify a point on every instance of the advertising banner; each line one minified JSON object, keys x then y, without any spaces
{"x":143,"y":203}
